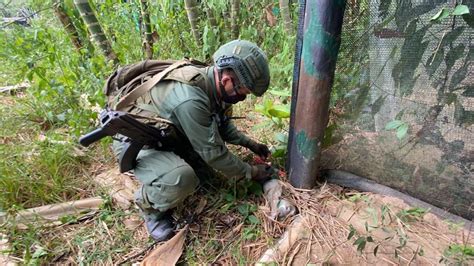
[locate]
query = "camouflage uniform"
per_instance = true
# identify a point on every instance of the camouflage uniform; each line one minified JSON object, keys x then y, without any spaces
{"x":187,"y":97}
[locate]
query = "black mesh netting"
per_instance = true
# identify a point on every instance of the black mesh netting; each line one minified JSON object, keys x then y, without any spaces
{"x":405,"y":90}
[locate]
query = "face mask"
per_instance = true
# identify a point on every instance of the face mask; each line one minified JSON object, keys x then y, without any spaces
{"x":232,"y":99}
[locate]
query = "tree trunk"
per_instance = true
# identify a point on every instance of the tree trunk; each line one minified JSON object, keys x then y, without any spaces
{"x":234,"y":16}
{"x":68,"y":26}
{"x":285,"y":14}
{"x":97,"y":34}
{"x":192,"y":11}
{"x":211,"y":17}
{"x":148,"y":40}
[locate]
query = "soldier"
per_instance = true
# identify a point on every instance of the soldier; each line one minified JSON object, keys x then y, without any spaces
{"x":195,"y":99}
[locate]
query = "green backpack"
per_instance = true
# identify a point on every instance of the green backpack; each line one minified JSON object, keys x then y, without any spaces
{"x":128,"y":83}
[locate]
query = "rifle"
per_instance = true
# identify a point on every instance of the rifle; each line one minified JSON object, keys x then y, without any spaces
{"x":137,"y":135}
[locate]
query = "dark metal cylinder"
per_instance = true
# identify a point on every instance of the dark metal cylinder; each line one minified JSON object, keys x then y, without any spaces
{"x":321,"y":40}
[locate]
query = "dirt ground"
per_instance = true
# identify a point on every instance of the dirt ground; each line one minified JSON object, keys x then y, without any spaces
{"x":384,"y":230}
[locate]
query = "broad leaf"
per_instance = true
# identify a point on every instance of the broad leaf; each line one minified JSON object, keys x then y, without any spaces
{"x":280,"y":111}
{"x":281,"y":137}
{"x":253,"y":219}
{"x":278,"y":153}
{"x":442,"y":14}
{"x":402,"y":131}
{"x":243,"y":209}
{"x":460,"y":10}
{"x":393,"y":124}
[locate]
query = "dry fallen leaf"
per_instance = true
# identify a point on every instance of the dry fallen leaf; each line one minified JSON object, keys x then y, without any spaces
{"x":168,"y":253}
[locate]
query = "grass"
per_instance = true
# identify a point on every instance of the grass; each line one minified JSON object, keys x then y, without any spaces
{"x":39,"y":166}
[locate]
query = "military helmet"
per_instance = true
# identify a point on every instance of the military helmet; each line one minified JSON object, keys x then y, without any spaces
{"x":249,"y":63}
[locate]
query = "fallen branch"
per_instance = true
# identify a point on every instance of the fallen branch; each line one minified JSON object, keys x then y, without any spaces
{"x":20,"y":86}
{"x":54,"y":211}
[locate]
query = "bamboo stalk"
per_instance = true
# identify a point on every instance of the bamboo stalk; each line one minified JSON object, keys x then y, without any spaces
{"x":191,"y":7}
{"x":148,"y":40}
{"x":211,"y":17}
{"x":68,"y":25}
{"x":234,"y":16}
{"x":97,"y":34}
{"x":285,"y":13}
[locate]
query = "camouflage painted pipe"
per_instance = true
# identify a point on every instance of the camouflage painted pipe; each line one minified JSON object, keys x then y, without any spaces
{"x":321,"y":40}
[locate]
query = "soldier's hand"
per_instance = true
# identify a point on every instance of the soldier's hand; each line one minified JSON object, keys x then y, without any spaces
{"x":259,"y":149}
{"x":261,"y":173}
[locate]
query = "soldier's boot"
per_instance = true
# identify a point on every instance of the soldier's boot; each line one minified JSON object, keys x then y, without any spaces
{"x":160,"y":225}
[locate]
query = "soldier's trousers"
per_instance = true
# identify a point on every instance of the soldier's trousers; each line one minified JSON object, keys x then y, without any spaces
{"x":166,"y":179}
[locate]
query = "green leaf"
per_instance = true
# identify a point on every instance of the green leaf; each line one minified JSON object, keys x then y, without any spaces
{"x":359,"y":240}
{"x":370,"y":239}
{"x":260,"y":108}
{"x":243,"y":209}
{"x":360,"y":243}
{"x":229,"y":197}
{"x":393,"y":124}
{"x":253,"y":219}
{"x":351,"y":233}
{"x":39,"y":252}
{"x":268,"y":104}
{"x":280,"y":111}
{"x":255,"y":188}
{"x":402,"y":131}
{"x":442,"y":14}
{"x":281,"y":137}
{"x":460,"y":10}
{"x":278,"y":153}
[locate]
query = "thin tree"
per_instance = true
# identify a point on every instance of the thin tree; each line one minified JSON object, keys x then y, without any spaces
{"x":71,"y":30}
{"x":97,"y":34}
{"x":234,"y":16}
{"x":191,"y":7}
{"x":285,"y":14}
{"x":210,"y":16}
{"x":148,"y":39}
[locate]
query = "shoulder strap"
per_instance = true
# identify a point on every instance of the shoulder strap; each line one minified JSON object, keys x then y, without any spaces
{"x":130,"y":97}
